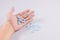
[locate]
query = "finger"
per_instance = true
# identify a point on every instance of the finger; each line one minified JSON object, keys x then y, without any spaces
{"x":23,"y":20}
{"x":29,"y":17}
{"x":22,"y":13}
{"x":11,"y":10}
{"x":27,"y":14}
{"x":25,"y":11}
{"x":31,"y":14}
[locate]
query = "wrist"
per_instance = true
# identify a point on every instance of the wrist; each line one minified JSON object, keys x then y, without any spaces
{"x":6,"y":31}
{"x":9,"y":27}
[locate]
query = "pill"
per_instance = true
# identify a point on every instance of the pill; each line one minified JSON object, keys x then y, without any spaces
{"x":20,"y":20}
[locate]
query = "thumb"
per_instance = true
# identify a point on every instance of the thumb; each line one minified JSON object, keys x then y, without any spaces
{"x":10,"y":13}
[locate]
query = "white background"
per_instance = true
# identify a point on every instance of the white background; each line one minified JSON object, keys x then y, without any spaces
{"x":48,"y":11}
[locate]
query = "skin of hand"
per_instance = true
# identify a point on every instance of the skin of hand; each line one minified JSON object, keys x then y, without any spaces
{"x":11,"y":25}
{"x":12,"y":19}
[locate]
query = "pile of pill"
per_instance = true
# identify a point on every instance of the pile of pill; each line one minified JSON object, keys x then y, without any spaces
{"x":32,"y":27}
{"x":19,"y":20}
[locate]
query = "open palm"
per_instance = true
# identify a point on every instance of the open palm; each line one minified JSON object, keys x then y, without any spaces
{"x":26,"y":15}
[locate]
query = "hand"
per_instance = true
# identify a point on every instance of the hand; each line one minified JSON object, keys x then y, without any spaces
{"x":26,"y":15}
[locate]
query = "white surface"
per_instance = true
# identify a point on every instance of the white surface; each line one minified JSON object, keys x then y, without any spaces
{"x":47,"y":12}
